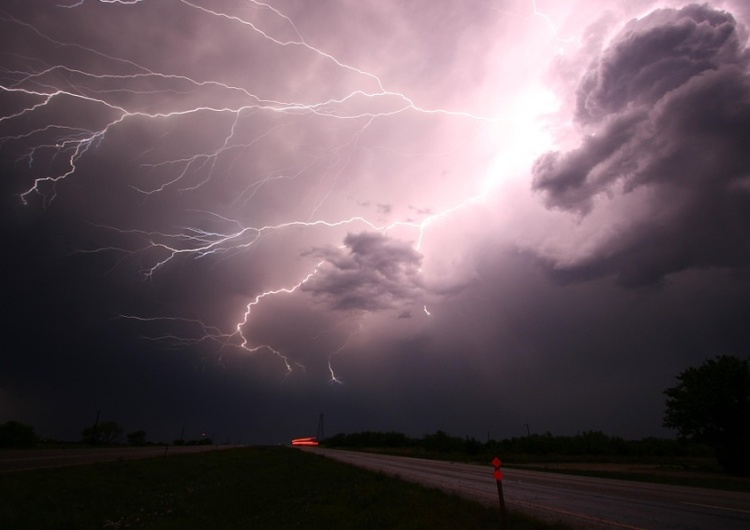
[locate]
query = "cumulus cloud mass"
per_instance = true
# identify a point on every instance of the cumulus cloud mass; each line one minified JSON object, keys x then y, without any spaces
{"x":372,"y":273}
{"x":664,"y":114}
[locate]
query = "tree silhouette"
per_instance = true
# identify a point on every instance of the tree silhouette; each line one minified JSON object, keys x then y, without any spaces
{"x":16,"y":434}
{"x":104,"y":432}
{"x":137,"y":438}
{"x":711,"y":404}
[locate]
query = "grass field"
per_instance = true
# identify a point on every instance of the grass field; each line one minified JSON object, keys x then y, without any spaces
{"x":251,"y":488}
{"x":677,"y":475}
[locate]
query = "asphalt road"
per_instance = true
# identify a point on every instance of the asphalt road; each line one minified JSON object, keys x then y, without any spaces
{"x":23,"y":460}
{"x":582,"y":502}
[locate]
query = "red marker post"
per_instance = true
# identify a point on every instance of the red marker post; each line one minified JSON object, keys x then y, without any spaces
{"x":499,"y":479}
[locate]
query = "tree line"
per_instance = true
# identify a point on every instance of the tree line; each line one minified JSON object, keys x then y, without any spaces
{"x":709,"y":407}
{"x":587,"y":443}
{"x":17,"y":435}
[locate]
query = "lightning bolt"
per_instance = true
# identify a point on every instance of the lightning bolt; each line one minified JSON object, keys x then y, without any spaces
{"x":118,"y":99}
{"x":338,"y":350}
{"x":238,"y":329}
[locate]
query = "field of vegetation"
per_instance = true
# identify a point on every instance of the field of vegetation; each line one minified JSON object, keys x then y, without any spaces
{"x":272,"y":487}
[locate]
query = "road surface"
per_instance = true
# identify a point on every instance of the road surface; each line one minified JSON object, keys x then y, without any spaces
{"x":26,"y":459}
{"x":582,"y":502}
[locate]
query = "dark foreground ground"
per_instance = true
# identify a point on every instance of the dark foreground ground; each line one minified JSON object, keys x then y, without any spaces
{"x":259,"y":488}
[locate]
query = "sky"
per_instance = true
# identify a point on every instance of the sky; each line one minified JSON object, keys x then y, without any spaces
{"x":228,"y":217}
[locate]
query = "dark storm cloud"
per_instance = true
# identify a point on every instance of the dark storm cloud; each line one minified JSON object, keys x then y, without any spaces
{"x":572,"y":179}
{"x":657,"y":54}
{"x":372,"y":272}
{"x":668,"y":110}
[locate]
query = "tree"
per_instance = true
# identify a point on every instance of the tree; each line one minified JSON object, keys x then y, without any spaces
{"x":711,"y":404}
{"x":16,"y":434}
{"x":137,"y":438}
{"x":104,"y":432}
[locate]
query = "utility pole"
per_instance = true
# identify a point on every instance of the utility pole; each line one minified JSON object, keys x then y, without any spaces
{"x":320,"y":434}
{"x":528,"y":431}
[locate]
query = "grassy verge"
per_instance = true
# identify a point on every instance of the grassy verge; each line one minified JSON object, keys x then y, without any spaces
{"x":716,"y":481}
{"x":274,"y":488}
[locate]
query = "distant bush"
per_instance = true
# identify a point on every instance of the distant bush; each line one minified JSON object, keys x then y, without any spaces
{"x":370,"y":439}
{"x":439,"y":442}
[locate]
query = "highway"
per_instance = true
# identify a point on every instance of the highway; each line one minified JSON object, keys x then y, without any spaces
{"x":582,"y":502}
{"x":24,"y":460}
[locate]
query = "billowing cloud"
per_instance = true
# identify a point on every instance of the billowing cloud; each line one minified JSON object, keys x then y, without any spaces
{"x":372,"y":272}
{"x":655,"y":55}
{"x":665,"y":111}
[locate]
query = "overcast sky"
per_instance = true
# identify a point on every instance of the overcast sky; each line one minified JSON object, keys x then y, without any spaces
{"x":231,"y":216}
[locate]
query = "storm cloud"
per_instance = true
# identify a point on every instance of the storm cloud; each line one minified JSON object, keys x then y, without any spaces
{"x":231,"y":215}
{"x":665,"y":113}
{"x":371,"y":273}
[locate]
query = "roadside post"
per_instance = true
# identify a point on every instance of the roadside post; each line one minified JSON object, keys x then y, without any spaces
{"x":499,"y":480}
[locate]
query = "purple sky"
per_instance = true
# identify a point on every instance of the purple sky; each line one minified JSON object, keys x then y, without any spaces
{"x":232,"y":216}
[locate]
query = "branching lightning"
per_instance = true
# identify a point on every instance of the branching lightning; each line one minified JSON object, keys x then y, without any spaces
{"x":119,"y":99}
